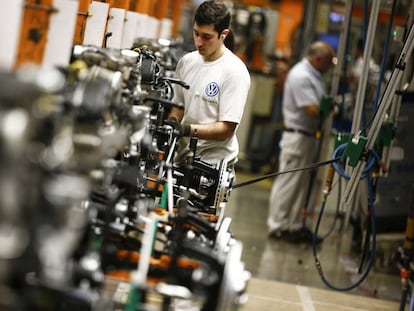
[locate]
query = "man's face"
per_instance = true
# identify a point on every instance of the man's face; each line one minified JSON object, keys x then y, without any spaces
{"x":326,"y":63}
{"x":206,"y":40}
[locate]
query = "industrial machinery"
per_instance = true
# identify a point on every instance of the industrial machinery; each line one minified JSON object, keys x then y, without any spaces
{"x":95,"y":213}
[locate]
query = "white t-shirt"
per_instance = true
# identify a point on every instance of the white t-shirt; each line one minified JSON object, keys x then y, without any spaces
{"x":373,"y":73}
{"x":218,"y":92}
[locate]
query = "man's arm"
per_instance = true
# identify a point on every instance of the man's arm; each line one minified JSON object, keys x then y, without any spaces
{"x":176,"y":113}
{"x":313,"y":110}
{"x":220,"y":130}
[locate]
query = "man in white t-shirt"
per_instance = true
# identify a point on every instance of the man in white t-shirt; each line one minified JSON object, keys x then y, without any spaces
{"x":219,"y":83}
{"x":302,"y":92}
{"x":356,"y":73}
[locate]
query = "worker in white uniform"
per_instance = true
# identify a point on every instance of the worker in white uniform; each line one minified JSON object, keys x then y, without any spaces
{"x":356,"y":71}
{"x":302,"y":92}
{"x":219,"y":84}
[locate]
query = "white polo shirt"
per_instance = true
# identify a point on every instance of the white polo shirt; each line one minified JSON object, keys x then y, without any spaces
{"x":303,"y":87}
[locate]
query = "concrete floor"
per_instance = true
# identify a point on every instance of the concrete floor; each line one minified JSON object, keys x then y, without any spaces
{"x":290,"y":297}
{"x":293,"y":265}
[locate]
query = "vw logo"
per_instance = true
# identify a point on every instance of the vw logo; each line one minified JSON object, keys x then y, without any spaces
{"x":212,"y":89}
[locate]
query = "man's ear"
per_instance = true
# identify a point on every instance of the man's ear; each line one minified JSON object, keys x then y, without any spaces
{"x":224,"y":33}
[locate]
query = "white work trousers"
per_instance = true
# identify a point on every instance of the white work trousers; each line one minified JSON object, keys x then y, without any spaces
{"x":289,"y":191}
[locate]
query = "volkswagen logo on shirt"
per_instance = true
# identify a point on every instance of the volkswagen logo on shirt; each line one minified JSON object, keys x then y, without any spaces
{"x":212,"y":89}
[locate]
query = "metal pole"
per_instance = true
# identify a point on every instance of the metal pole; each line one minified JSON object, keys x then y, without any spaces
{"x":395,"y":108}
{"x":309,"y":25}
{"x":362,"y":86}
{"x":384,"y":105}
{"x":341,"y":49}
{"x":325,"y":149}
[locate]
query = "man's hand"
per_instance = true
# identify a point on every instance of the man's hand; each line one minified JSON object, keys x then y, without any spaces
{"x":180,"y":130}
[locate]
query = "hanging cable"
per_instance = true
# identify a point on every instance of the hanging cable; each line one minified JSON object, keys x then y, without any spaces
{"x":365,"y":22}
{"x":326,"y":191}
{"x":364,"y":37}
{"x":306,"y":167}
{"x":372,"y":159}
{"x":371,"y":251}
{"x":384,"y":55}
{"x":336,"y":215}
{"x":369,"y":229}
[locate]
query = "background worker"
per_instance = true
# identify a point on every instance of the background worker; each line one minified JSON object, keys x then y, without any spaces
{"x":303,"y":90}
{"x":373,"y":78}
{"x":219,"y":83}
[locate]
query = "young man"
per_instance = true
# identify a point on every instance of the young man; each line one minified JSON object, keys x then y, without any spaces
{"x":219,"y":83}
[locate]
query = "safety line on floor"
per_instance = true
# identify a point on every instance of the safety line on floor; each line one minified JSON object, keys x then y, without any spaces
{"x":305,"y":298}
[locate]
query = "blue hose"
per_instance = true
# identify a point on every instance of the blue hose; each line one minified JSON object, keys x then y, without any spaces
{"x":372,"y":159}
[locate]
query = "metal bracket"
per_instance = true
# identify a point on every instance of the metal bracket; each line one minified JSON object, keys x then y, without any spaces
{"x":86,"y":14}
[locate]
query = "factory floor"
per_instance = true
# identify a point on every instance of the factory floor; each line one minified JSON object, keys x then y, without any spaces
{"x":284,"y":276}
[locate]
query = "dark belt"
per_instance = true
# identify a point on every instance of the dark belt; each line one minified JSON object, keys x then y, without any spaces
{"x":300,"y":132}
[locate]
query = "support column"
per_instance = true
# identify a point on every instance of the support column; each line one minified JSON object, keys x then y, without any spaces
{"x":162,"y":8}
{"x":81,"y":21}
{"x":145,"y":7}
{"x":121,"y":4}
{"x":33,"y":33}
{"x":176,"y":16}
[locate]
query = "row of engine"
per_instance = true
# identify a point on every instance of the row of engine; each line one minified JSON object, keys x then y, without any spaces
{"x":91,"y":201}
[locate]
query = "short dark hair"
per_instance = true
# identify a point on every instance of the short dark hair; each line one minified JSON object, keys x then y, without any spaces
{"x":213,"y":12}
